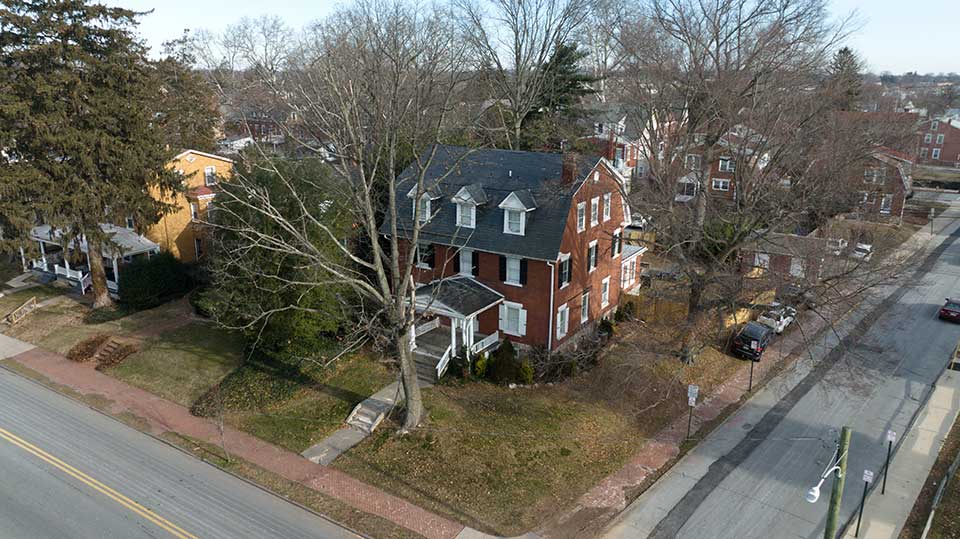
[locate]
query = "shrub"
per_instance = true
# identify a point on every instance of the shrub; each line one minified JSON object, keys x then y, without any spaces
{"x":116,"y":356}
{"x":201,"y":302}
{"x":85,"y":349}
{"x":504,"y":367}
{"x":148,"y":282}
{"x":605,"y":328}
{"x":627,"y":311}
{"x":480,"y":365}
{"x":526,"y":372}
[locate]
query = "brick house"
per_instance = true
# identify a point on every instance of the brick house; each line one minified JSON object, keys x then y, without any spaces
{"x":785,"y":257}
{"x":615,"y":136}
{"x":940,"y":142}
{"x":884,"y":186}
{"x":180,"y":232}
{"x":525,"y":246}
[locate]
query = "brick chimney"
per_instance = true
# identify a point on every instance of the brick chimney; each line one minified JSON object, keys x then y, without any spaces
{"x":571,"y":162}
{"x":612,"y":147}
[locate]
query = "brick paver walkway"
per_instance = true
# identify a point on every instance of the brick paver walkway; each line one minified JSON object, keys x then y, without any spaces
{"x":163,"y":415}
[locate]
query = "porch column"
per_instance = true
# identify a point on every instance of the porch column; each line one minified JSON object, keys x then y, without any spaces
{"x":116,"y":272}
{"x":453,"y":334}
{"x":413,"y":337}
{"x":43,"y":256}
{"x":467,"y":332}
{"x":66,"y":261}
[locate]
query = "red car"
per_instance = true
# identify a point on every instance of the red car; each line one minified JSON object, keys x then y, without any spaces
{"x":950,"y":310}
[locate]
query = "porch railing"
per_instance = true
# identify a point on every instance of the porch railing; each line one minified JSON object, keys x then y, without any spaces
{"x":76,"y":275}
{"x":444,"y":362}
{"x":38,"y":264}
{"x":112,"y":286}
{"x":485,"y":343}
{"x":429,"y":326}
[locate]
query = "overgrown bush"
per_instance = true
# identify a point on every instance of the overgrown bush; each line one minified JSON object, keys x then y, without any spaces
{"x":505,"y":367}
{"x":148,"y":282}
{"x":526,"y":372}
{"x":626,"y":312}
{"x":85,"y":349}
{"x":480,"y":365}
{"x":115,"y":356}
{"x":605,"y":328}
{"x":201,"y":302}
{"x":254,"y":384}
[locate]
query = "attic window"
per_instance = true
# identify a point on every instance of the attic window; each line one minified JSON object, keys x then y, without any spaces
{"x":424,"y":209}
{"x":514,"y":222}
{"x":466,"y":215}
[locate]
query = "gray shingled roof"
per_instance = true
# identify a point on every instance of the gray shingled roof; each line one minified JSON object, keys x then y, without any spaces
{"x":462,"y":295}
{"x":498,"y":173}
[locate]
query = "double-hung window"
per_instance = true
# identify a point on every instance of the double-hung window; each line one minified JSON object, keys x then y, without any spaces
{"x":617,"y":243}
{"x":466,"y":215}
{"x":563,"y":321}
{"x":592,"y":256}
{"x":940,"y":139}
{"x":513,"y":222}
{"x":513,"y":271}
{"x":928,"y":138}
{"x":424,"y":209}
{"x":935,"y":153}
{"x":594,"y":211}
{"x":605,"y":292}
{"x":721,"y":184}
{"x":581,"y":216}
{"x":194,"y":211}
{"x":886,"y":204}
{"x":564,"y":271}
{"x":210,"y":176}
{"x":585,"y":307}
{"x":466,"y":261}
{"x":513,"y":319}
{"x":607,"y":207}
{"x":424,"y":255}
{"x":727,"y":165}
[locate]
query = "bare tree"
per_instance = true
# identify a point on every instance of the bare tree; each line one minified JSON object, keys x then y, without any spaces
{"x":513,"y":39}
{"x":371,"y":85}
{"x":739,"y":80}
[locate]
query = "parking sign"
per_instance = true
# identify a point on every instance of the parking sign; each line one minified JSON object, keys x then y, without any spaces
{"x":867,"y":476}
{"x":891,"y":436}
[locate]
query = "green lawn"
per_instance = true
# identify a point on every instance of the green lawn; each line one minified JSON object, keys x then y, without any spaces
{"x":314,"y":412}
{"x":183,"y":363}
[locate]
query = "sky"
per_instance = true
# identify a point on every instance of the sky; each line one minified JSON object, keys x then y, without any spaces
{"x":896,"y":35}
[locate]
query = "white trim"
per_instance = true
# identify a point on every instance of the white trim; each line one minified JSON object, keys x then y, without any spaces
{"x":202,"y":154}
{"x":507,"y":269}
{"x":715,"y":187}
{"x":194,"y":211}
{"x":550,"y":333}
{"x":584,"y":316}
{"x":506,"y":221}
{"x":607,"y":206}
{"x":469,"y":266}
{"x":605,"y":302}
{"x":473,"y":214}
{"x":212,"y":171}
{"x":512,"y":202}
{"x":594,"y":211}
{"x":581,"y":226}
{"x":618,"y":237}
{"x":521,"y":315}
{"x":596,"y":256}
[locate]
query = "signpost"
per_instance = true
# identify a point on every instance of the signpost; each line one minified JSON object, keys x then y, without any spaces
{"x":692,"y":391}
{"x":891,"y":438}
{"x":750,"y":386}
{"x":867,"y":479}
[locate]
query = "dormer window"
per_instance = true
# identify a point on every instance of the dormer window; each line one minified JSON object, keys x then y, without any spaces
{"x":513,"y":222}
{"x":424,"y":211}
{"x":466,"y":215}
{"x":515,"y":209}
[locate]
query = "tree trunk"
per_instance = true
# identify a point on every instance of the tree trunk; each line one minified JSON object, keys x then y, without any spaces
{"x":98,"y":277}
{"x":411,"y":387}
{"x":689,"y":346}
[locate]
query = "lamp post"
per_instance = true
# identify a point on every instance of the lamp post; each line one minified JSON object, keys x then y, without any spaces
{"x":837,"y":466}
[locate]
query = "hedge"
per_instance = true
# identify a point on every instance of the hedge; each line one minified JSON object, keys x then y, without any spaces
{"x":148,"y":282}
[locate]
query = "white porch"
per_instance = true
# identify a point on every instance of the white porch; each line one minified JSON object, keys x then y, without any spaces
{"x":54,"y":261}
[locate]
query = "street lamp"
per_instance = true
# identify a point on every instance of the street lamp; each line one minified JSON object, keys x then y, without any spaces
{"x":838,"y":465}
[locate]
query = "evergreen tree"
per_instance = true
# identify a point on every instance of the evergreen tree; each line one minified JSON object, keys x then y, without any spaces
{"x":189,"y":107}
{"x":558,"y":105}
{"x":846,"y":79}
{"x":80,"y":108}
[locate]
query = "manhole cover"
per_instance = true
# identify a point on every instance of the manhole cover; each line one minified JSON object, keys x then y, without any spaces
{"x":747,"y":426}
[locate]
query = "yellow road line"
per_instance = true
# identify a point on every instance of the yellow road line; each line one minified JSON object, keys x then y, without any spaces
{"x":174,"y":530}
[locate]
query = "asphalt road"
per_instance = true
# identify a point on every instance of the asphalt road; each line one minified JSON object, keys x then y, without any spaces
{"x":748,"y":478}
{"x":68,"y":471}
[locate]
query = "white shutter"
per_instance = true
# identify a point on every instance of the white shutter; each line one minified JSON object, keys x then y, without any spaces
{"x":503,"y":316}
{"x":523,"y":321}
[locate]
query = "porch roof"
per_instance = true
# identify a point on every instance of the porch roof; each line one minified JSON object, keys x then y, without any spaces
{"x":123,"y":241}
{"x":458,"y":296}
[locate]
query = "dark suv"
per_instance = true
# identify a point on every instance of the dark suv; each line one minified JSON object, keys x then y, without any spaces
{"x":752,"y":340}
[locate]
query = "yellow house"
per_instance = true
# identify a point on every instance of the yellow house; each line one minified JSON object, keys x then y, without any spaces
{"x":180,"y":232}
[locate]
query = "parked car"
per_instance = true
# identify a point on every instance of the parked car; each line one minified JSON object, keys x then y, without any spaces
{"x":751,"y":341}
{"x":836,"y":245}
{"x":950,"y":310}
{"x":862,"y":251}
{"x":778,"y":318}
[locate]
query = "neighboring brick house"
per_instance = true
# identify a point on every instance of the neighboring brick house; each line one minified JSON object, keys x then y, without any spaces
{"x":719,"y":177}
{"x":785,"y":257}
{"x":180,"y":232}
{"x":521,"y":245}
{"x":616,"y":138}
{"x":884,"y":186}
{"x":940,"y":142}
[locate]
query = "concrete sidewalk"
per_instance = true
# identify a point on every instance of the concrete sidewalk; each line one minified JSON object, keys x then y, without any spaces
{"x":885,"y":514}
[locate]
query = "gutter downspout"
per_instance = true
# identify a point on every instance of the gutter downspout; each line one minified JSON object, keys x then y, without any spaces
{"x":553,"y":285}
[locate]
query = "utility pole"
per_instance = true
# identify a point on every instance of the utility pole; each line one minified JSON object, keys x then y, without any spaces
{"x":833,"y":513}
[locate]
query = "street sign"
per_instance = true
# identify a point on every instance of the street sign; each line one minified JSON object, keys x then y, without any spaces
{"x":867,"y":476}
{"x":691,"y":401}
{"x":692,"y":391}
{"x":891,"y":436}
